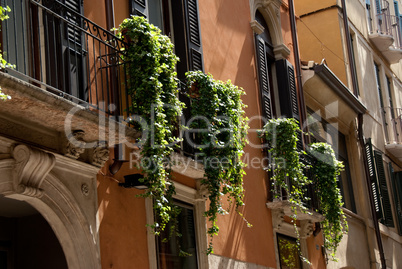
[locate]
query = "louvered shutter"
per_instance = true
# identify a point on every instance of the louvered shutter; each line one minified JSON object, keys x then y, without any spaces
{"x":139,"y":8}
{"x":378,"y":6}
{"x":396,"y":181}
{"x":399,"y":16}
{"x":385,"y":201}
{"x":264,"y":78}
{"x":193,"y":35}
{"x":373,"y":179}
{"x":287,"y":89}
{"x":287,"y":93}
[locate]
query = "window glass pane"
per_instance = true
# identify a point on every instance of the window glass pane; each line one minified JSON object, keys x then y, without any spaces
{"x":288,"y":252}
{"x":155,"y":13}
{"x":179,"y":253}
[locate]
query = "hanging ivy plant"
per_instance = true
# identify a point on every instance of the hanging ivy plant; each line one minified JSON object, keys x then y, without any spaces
{"x":221,"y":143}
{"x":152,"y":85}
{"x":288,"y":175}
{"x":326,"y":169}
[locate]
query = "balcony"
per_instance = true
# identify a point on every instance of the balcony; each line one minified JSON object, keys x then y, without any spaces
{"x":63,"y":62}
{"x":385,"y":33}
{"x":278,"y":200}
{"x":393,"y":134}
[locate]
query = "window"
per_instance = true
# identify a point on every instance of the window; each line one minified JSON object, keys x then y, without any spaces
{"x":354,"y":61}
{"x":379,"y":186}
{"x":324,"y":132}
{"x":378,"y":81}
{"x":179,"y":20}
{"x":369,"y":18}
{"x":179,"y":252}
{"x":265,"y":60}
{"x":285,"y":91}
{"x":47,"y":44}
{"x":288,"y":252}
{"x":396,"y":180}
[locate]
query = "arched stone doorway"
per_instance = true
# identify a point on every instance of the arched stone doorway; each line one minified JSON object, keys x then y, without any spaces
{"x":26,"y":239}
{"x":62,"y":190}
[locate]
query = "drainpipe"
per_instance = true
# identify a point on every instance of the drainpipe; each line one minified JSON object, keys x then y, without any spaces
{"x":361,"y":137}
{"x":297,"y":62}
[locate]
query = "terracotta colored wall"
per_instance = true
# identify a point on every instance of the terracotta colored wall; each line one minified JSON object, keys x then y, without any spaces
{"x":228,"y":47}
{"x":122,"y":223}
{"x":229,"y":53}
{"x":307,"y":6}
{"x":328,"y":45}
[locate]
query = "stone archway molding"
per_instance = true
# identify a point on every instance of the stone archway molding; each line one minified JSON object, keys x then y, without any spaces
{"x":270,"y":9}
{"x":28,"y":176}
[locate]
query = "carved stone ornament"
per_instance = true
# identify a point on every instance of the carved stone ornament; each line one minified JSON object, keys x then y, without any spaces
{"x":277,"y":218}
{"x":31,"y":168}
{"x":257,"y":27}
{"x":202,"y":190}
{"x":75,"y":144}
{"x":85,"y":189}
{"x":99,"y":154}
{"x":306,"y":228}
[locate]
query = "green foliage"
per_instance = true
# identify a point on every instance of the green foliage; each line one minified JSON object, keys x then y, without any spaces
{"x":288,"y":174}
{"x":281,"y":135}
{"x":3,"y":63}
{"x":221,"y":146}
{"x":326,"y":169}
{"x":153,"y":90}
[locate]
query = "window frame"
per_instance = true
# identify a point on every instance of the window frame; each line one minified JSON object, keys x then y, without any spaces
{"x":192,"y":197}
{"x":332,"y":131}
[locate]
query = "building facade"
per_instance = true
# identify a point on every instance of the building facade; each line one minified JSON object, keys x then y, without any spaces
{"x":363,"y":50}
{"x":67,"y":152}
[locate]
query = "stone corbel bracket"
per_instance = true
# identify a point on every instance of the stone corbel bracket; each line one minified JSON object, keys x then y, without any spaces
{"x":202,"y":190}
{"x":31,"y":168}
{"x":277,"y":218}
{"x":75,"y":145}
{"x":306,"y":228}
{"x":99,"y":154}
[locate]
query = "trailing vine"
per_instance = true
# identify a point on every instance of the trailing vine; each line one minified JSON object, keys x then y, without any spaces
{"x":152,"y":85}
{"x":288,"y":174}
{"x":221,"y":115}
{"x":326,"y":169}
{"x":287,"y":168}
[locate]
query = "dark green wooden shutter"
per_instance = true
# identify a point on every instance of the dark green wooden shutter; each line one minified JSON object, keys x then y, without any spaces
{"x":139,"y":8}
{"x":385,"y":201}
{"x":193,"y":35}
{"x":373,"y":179}
{"x":287,"y":92}
{"x":287,"y":89}
{"x":396,"y":181}
{"x":264,"y":78}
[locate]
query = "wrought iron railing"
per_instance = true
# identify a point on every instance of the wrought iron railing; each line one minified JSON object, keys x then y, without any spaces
{"x":56,"y":48}
{"x":393,"y":123}
{"x":396,"y":32}
{"x":310,"y":201}
{"x":385,"y":24}
{"x":382,"y":21}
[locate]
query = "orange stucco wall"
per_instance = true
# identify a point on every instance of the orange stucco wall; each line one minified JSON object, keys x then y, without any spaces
{"x":228,"y":47}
